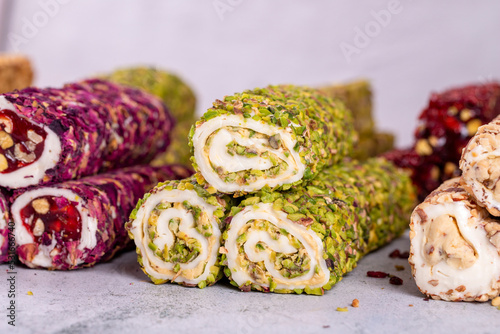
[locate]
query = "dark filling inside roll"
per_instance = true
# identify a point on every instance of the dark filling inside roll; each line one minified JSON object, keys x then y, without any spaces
{"x":48,"y":217}
{"x":21,"y":142}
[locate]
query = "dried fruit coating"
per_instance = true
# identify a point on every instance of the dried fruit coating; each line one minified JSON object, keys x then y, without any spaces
{"x":177,"y":96}
{"x":81,"y":222}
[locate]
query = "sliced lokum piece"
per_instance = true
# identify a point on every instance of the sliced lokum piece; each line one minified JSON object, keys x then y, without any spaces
{"x":306,"y":239}
{"x":52,"y":135}
{"x":277,"y":136}
{"x":78,"y":223}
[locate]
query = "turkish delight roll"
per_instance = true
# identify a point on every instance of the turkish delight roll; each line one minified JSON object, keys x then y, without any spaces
{"x":306,"y":239}
{"x":357,"y":96}
{"x":78,"y":223}
{"x":177,"y":230}
{"x":445,"y":127}
{"x":480,"y":165}
{"x":455,"y":246}
{"x":52,"y":135}
{"x":15,"y":72}
{"x":177,"y":96}
{"x":276,"y":136}
{"x":4,"y":229}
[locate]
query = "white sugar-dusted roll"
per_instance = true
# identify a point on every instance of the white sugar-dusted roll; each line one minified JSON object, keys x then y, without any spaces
{"x":455,"y":246}
{"x":176,"y":229}
{"x":273,"y":137}
{"x":267,"y":236}
{"x":480,"y":165}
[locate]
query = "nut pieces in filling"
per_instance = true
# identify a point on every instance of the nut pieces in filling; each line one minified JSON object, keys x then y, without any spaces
{"x":453,"y":252}
{"x":276,"y":136}
{"x":176,"y":228}
{"x":306,"y":239}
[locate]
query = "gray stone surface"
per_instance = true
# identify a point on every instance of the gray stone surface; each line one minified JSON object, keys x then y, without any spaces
{"x":116,"y":297}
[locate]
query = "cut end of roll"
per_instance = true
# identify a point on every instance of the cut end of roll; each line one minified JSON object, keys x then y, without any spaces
{"x":237,"y":154}
{"x":53,"y":229}
{"x":27,"y":150}
{"x":177,"y":236}
{"x":267,"y":251}
{"x":452,"y":255}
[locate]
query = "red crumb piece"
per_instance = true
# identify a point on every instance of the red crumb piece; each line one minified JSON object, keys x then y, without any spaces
{"x":394,"y":280}
{"x":355,"y":303}
{"x":377,"y":274}
{"x":394,"y":254}
{"x":404,"y":255}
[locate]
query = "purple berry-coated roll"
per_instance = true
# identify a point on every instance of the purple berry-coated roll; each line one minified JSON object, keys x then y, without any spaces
{"x":81,"y":222}
{"x":53,"y":135}
{"x":4,"y":229}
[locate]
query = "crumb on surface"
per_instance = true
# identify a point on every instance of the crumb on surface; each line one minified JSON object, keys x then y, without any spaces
{"x":355,"y":303}
{"x":495,"y":301}
{"x":30,"y":293}
{"x":399,"y":267}
{"x":342,"y":309}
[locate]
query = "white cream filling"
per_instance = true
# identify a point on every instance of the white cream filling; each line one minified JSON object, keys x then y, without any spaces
{"x":3,"y":222}
{"x":477,"y":279}
{"x":88,"y":239}
{"x":209,"y":251}
{"x":218,"y":155}
{"x":480,"y":191}
{"x":33,"y":173}
{"x":310,"y":241}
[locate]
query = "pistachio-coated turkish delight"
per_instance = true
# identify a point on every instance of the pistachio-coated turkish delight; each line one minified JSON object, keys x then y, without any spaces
{"x":306,"y":239}
{"x":177,"y":230}
{"x":357,"y":96}
{"x":278,"y":136}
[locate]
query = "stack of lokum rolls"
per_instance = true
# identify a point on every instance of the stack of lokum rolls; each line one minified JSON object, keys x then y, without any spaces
{"x":74,"y":163}
{"x":455,"y":232}
{"x":445,"y":126}
{"x":276,"y":203}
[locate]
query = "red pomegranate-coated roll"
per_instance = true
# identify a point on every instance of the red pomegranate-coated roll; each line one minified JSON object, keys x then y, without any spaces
{"x":445,"y":127}
{"x":53,"y":135}
{"x":78,"y":223}
{"x":4,"y":229}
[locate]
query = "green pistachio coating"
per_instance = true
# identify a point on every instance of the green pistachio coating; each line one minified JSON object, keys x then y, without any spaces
{"x":357,"y":96}
{"x":322,"y":128}
{"x":354,"y":208}
{"x":185,"y":248}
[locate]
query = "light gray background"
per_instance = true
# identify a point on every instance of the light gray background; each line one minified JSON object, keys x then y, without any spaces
{"x":427,"y":46}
